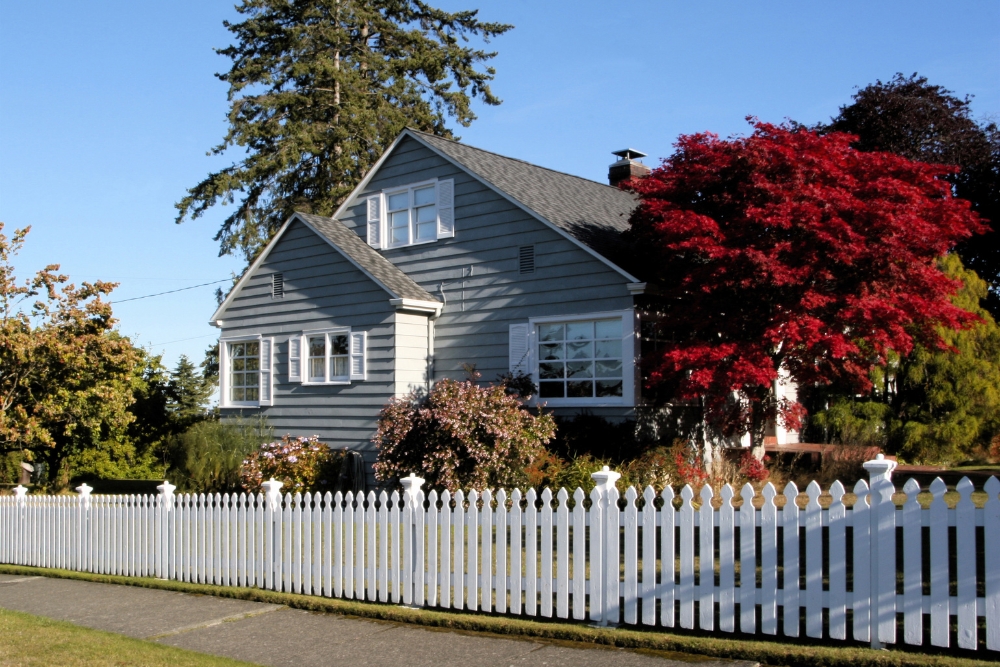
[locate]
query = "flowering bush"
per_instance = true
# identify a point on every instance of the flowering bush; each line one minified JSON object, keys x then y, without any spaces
{"x":303,"y":464}
{"x":460,"y":435}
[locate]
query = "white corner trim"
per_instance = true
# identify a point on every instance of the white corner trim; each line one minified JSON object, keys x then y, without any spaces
{"x":417,"y":306}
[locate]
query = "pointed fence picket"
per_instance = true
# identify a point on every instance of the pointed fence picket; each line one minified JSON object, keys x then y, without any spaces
{"x":630,"y":557}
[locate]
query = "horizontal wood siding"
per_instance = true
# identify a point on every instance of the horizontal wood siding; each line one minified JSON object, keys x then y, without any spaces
{"x":489,"y":229}
{"x":322,"y":290}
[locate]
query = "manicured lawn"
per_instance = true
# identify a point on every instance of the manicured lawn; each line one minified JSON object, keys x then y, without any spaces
{"x":27,"y":640}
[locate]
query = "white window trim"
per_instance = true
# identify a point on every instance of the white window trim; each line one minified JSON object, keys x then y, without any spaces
{"x":387,"y":229}
{"x":265,"y":370}
{"x":630,"y":376}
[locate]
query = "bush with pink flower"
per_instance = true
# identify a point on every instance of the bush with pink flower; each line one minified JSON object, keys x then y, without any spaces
{"x":461,"y":435}
{"x":303,"y":464}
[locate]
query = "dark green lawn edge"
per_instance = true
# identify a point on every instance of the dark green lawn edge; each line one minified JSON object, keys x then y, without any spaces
{"x":772,"y":653}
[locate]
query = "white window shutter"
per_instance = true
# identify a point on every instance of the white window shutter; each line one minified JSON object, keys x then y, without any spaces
{"x":359,"y":364}
{"x":374,"y":208}
{"x":446,"y":208}
{"x":223,"y":373}
{"x":295,"y":359}
{"x":518,"y":349}
{"x":266,"y":374}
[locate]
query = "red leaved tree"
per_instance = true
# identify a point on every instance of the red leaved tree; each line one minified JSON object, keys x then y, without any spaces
{"x":786,"y":249}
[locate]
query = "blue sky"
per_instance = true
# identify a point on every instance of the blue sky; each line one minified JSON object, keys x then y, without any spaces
{"x":107,"y":110}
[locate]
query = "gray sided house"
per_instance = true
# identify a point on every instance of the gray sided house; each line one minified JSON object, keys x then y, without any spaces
{"x":445,"y":255}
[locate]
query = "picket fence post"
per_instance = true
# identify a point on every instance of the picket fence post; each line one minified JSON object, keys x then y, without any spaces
{"x":272,"y":513}
{"x":882,"y":552}
{"x":607,"y":537}
{"x":83,"y":524}
{"x":411,"y":506}
{"x":163,"y":535}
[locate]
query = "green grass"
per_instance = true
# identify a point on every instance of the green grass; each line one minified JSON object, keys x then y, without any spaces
{"x":27,"y":640}
{"x":656,"y":641}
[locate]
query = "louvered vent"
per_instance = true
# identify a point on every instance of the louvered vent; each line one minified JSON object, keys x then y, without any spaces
{"x":277,"y":285}
{"x":526,"y":259}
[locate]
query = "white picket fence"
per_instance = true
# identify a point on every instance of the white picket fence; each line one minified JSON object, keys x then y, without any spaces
{"x":775,"y":571}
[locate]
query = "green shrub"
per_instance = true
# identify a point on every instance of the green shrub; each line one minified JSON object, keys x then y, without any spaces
{"x":302,"y":464}
{"x":460,"y":435}
{"x":211,"y":453}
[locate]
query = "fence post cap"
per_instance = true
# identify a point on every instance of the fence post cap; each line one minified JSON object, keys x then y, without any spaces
{"x":605,"y":477}
{"x":20,"y":492}
{"x":166,"y":489}
{"x":879,"y":466}
{"x":272,"y":489}
{"x":412,"y":482}
{"x":84,"y":490}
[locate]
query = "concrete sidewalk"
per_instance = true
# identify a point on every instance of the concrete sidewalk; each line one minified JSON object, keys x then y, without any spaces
{"x":269,"y":634}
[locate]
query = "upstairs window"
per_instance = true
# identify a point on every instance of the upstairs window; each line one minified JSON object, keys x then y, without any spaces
{"x":419,"y":213}
{"x":328,"y":357}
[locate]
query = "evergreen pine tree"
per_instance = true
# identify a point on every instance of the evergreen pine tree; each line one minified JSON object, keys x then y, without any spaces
{"x":188,"y":392}
{"x":319,"y":88}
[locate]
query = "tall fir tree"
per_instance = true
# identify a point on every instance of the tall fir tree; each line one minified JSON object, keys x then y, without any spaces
{"x":319,"y":88}
{"x":187,"y":392}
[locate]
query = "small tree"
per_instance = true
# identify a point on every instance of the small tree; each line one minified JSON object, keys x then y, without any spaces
{"x":460,"y":435}
{"x":67,"y":378}
{"x":787,"y":249}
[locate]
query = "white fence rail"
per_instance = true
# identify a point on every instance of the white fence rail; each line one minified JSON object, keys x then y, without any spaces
{"x":870,"y":572}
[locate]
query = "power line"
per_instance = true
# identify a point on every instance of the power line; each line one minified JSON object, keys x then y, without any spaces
{"x":181,"y":340}
{"x":136,"y":298}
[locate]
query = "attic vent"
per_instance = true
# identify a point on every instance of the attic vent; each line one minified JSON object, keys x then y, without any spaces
{"x":526,"y":259}
{"x":277,"y":285}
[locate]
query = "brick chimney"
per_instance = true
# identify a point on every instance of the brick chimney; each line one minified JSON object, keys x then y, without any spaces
{"x":628,"y":166}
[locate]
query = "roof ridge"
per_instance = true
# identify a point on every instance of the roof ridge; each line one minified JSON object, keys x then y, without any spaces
{"x":514,"y":159}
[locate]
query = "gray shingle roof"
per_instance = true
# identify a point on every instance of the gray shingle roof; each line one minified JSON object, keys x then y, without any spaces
{"x":367,"y":258}
{"x":594,"y":213}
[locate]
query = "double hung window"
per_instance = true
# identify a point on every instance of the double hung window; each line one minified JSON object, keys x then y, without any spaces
{"x":328,"y":357}
{"x":333,"y":356}
{"x":418,"y":213}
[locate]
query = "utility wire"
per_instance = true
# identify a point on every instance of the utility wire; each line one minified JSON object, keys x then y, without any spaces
{"x":136,"y":298}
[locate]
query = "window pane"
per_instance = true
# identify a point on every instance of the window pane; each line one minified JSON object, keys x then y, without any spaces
{"x":550,"y":389}
{"x":550,"y":351}
{"x":338,"y":367}
{"x":425,"y":231}
{"x":253,"y":349}
{"x":579,"y":369}
{"x":609,"y":329}
{"x":253,"y":363}
{"x":238,"y":394}
{"x":609,"y":369}
{"x":609,"y":349}
{"x":236,"y":350}
{"x":316,"y":368}
{"x":579,"y":330}
{"x":580,"y":350}
{"x":426,"y":214}
{"x":580,"y":389}
{"x":399,"y":200}
{"x":423,"y":196}
{"x":550,"y":371}
{"x":400,"y":235}
{"x":338,"y":344}
{"x":317,"y":346}
{"x":239,"y":364}
{"x":236,"y":379}
{"x":550,"y":332}
{"x":609,"y":388}
{"x":252,"y":394}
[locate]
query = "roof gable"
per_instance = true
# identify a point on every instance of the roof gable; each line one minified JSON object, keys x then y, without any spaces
{"x":383,"y":272}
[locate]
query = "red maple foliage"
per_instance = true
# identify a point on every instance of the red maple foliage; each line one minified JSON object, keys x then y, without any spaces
{"x":786,"y":249}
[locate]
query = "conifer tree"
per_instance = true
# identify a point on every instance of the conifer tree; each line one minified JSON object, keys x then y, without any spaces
{"x":187,"y":392}
{"x":319,"y":88}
